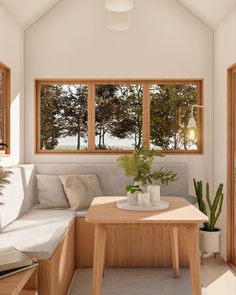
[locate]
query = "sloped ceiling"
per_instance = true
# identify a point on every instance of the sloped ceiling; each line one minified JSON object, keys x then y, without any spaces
{"x":211,"y":12}
{"x":26,"y":12}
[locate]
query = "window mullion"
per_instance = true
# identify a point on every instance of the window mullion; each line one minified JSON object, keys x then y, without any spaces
{"x":146,"y":115}
{"x":91,"y":116}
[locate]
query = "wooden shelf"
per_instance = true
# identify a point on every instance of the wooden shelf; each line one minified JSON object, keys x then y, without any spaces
{"x":13,"y":285}
{"x":28,"y":292}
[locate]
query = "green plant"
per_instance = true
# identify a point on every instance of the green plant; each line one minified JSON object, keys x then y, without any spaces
{"x":139,"y":164}
{"x":214,"y":205}
{"x":133,"y":188}
{"x":4,"y":174}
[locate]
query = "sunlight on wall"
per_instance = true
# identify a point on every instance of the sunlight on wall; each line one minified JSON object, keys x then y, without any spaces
{"x":14,"y":157}
{"x":218,"y":287}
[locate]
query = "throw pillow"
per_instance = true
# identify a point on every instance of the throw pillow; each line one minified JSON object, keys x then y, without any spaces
{"x":50,"y":192}
{"x":81,"y":189}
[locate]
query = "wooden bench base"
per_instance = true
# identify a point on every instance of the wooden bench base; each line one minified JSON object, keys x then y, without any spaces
{"x":55,"y":274}
{"x":131,"y":246}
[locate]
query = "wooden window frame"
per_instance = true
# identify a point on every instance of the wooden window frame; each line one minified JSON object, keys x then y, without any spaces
{"x":230,"y":168}
{"x":6,"y":107}
{"x":91,"y":113}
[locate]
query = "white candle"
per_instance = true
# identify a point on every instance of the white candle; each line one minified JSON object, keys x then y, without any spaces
{"x":154,"y":191}
{"x":143,"y":199}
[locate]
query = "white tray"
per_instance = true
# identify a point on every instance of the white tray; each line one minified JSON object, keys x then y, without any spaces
{"x":123,"y":204}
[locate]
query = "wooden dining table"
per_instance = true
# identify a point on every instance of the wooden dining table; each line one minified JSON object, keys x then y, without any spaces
{"x":103,"y":213}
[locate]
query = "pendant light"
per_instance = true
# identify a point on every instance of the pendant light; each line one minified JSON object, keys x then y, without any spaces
{"x":192,"y":125}
{"x":118,"y":21}
{"x":119,"y":5}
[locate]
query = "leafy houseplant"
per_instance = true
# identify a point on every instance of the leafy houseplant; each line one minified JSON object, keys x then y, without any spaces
{"x":4,"y":174}
{"x":133,"y":188}
{"x":212,"y":208}
{"x":139,"y":166}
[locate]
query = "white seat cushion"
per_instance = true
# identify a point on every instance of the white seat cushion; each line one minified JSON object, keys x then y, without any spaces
{"x":80,"y":213}
{"x":38,"y":232}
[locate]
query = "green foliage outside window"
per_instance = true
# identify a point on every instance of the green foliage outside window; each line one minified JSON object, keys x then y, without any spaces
{"x":118,"y":114}
{"x":63,"y":114}
{"x":170,"y":106}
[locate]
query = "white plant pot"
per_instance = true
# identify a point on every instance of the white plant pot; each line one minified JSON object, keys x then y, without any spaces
{"x":143,"y":199}
{"x":132,"y":199}
{"x":154,"y":191}
{"x":210,"y":241}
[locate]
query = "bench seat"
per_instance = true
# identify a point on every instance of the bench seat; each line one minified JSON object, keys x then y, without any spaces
{"x":38,"y":232}
{"x":81,"y":213}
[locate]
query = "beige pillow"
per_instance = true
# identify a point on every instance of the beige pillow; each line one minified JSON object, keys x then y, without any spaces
{"x":50,"y":192}
{"x":80,"y":190}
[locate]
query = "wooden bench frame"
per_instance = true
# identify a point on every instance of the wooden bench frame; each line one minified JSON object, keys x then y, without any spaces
{"x":56,"y":273}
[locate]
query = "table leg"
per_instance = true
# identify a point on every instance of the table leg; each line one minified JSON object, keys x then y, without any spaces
{"x":174,"y":250}
{"x":98,"y":258}
{"x":103,"y":267}
{"x":194,"y":260}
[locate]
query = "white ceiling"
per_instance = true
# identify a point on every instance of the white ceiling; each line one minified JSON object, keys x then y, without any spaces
{"x":211,"y":12}
{"x":26,"y":12}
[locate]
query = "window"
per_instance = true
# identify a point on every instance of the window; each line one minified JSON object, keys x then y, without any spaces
{"x":4,"y":109}
{"x":118,"y":116}
{"x":169,"y":115}
{"x":63,"y":115}
{"x":93,"y":116}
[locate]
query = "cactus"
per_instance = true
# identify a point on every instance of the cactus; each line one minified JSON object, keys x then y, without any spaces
{"x":214,"y":206}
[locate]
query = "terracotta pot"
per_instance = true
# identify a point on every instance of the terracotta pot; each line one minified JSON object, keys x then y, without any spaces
{"x":210,"y":241}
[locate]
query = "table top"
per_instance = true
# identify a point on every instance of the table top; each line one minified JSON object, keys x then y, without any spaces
{"x":103,"y":210}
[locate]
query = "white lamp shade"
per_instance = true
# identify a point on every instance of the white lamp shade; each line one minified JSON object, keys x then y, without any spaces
{"x":118,"y":21}
{"x":192,"y":123}
{"x":119,"y":5}
{"x":192,"y":134}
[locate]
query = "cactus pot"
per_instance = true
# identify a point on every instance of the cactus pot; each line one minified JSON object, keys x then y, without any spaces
{"x":210,"y":240}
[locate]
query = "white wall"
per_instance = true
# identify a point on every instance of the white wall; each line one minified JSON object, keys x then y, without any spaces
{"x":224,"y":56}
{"x":165,"y":41}
{"x":12,"y":54}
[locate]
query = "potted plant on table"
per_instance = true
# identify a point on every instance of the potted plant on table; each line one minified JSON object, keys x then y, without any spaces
{"x":139,"y":166}
{"x":209,"y":233}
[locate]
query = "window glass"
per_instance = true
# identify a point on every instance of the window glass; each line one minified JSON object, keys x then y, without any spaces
{"x":170,"y":111}
{"x":118,"y":116}
{"x":63,"y":116}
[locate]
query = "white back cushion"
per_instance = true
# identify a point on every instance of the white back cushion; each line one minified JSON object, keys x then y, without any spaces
{"x":18,"y":195}
{"x":112,"y":178}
